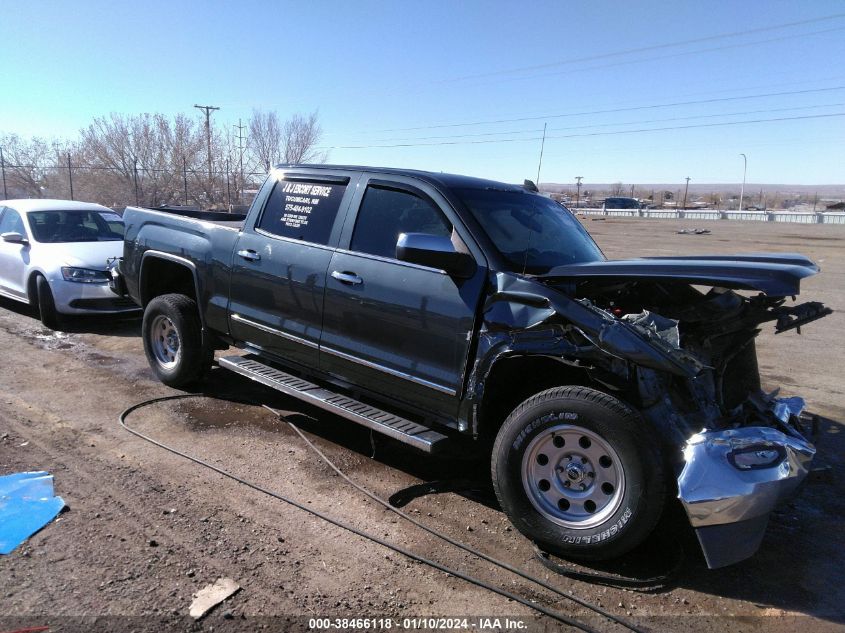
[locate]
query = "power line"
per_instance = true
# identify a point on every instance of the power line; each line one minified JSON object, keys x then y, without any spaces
{"x":669,"y":56}
{"x":613,"y":133}
{"x":614,"y":110}
{"x":630,"y":51}
{"x":597,"y":125}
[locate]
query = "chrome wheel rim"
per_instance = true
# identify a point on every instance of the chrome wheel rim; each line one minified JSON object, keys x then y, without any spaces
{"x":165,"y":342}
{"x":572,"y":476}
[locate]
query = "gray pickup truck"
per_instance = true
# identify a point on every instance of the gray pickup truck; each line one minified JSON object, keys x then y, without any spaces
{"x":426,"y":306}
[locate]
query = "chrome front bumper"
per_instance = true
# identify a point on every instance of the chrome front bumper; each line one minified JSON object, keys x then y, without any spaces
{"x":733,"y":479}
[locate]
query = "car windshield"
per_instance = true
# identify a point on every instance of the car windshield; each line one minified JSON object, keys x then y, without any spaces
{"x":532,"y":233}
{"x":76,"y":226}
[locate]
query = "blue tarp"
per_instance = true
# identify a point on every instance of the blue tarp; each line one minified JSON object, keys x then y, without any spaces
{"x":27,"y":504}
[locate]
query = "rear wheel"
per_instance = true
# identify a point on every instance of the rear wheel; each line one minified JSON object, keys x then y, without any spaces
{"x":579,"y":473}
{"x":172,"y":335}
{"x":46,"y":305}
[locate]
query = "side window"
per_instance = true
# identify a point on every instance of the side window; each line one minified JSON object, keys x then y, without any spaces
{"x":302,"y":210}
{"x":11,"y":222}
{"x":385,"y":213}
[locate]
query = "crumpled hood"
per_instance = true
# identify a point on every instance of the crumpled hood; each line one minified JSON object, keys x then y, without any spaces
{"x":775,"y":274}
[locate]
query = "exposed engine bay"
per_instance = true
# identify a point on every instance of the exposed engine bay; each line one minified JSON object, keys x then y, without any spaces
{"x":676,"y":339}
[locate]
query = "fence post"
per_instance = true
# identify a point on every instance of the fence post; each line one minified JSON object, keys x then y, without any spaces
{"x":185,"y":178}
{"x":70,"y":175}
{"x":3,"y":169}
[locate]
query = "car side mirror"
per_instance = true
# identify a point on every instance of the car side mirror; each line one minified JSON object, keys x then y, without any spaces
{"x":14,"y":238}
{"x":434,"y":251}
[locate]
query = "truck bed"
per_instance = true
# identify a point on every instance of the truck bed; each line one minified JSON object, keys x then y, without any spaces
{"x":221,"y":218}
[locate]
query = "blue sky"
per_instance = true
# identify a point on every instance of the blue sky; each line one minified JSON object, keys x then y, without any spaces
{"x":450,"y":69}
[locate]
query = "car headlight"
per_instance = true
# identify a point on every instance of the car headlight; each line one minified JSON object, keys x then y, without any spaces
{"x":84,"y":275}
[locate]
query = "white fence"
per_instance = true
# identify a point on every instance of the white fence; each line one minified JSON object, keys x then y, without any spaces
{"x":715,"y":214}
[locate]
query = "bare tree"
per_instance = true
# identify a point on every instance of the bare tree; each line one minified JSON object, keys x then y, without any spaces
{"x":265,"y":138}
{"x":617,"y":189}
{"x":27,"y":164}
{"x":121,"y":155}
{"x":301,"y":135}
{"x":293,"y":142}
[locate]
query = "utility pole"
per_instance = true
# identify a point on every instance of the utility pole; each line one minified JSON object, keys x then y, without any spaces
{"x":578,"y":190}
{"x":208,"y":110}
{"x":240,"y":127}
{"x":70,"y":175}
{"x":742,"y":189}
{"x":3,"y":169}
{"x":185,"y":178}
{"x":135,"y":177}
{"x":685,"y":192}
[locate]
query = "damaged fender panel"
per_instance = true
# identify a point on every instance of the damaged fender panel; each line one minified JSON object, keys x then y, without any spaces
{"x":521,"y":304}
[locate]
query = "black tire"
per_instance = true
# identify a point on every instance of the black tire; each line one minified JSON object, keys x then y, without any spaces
{"x":605,"y":455}
{"x":172,"y":335}
{"x":46,"y":305}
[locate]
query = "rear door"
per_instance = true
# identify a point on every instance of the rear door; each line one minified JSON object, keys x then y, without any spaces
{"x":280,"y":262}
{"x":14,"y":258}
{"x":396,"y":328}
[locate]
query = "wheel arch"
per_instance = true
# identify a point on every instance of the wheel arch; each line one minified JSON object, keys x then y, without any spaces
{"x":516,"y":377}
{"x":163,"y":273}
{"x":31,"y":285}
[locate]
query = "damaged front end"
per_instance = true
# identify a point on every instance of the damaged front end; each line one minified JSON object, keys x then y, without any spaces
{"x":643,"y":330}
{"x":733,"y":479}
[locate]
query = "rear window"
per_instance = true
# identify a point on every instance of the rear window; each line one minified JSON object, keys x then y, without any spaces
{"x":302,"y":210}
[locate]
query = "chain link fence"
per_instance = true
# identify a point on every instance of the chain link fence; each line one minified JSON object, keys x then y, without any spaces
{"x":226,"y":189}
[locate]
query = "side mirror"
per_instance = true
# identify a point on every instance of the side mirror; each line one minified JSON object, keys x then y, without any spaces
{"x":434,"y":251}
{"x":14,"y":238}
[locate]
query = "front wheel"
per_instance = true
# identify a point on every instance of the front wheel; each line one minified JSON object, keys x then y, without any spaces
{"x":578,"y":472}
{"x":46,"y":304}
{"x":172,"y":335}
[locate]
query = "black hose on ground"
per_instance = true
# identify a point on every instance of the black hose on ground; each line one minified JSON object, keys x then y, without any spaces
{"x":642,"y":585}
{"x":471,"y":550}
{"x":559,"y":617}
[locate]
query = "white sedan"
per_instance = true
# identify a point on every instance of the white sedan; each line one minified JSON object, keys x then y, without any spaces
{"x":54,"y":254}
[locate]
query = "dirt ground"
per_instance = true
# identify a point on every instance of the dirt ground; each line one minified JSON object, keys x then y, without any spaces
{"x":146,"y":529}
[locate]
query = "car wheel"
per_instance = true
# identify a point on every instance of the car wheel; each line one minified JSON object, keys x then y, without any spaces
{"x":579,"y":473}
{"x":46,"y":305}
{"x":172,"y":335}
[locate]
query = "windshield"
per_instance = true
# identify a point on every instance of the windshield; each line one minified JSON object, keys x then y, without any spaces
{"x":531,"y":232}
{"x":76,"y":226}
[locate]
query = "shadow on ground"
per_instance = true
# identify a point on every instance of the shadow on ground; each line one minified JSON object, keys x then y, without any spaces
{"x":126,"y":324}
{"x":798,"y":568}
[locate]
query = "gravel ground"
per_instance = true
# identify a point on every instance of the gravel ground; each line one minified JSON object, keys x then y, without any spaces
{"x":146,"y":529}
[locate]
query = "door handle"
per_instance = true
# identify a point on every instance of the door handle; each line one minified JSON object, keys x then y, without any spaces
{"x":347,"y":278}
{"x":250,"y":255}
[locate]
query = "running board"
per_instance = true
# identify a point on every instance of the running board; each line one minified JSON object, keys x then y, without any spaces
{"x":398,"y":428}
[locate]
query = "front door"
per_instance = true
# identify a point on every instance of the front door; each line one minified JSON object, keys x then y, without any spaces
{"x":390,"y":326}
{"x":13,"y":257}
